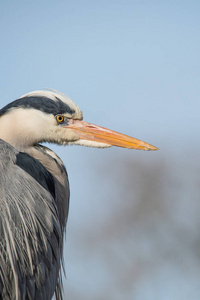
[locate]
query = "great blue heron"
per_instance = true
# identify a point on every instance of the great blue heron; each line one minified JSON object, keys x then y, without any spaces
{"x":34,"y":189}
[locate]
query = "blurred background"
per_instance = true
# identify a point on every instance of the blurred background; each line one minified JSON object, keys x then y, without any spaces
{"x":134,"y":67}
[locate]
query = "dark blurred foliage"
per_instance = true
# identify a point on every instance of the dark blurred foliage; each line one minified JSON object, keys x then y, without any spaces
{"x":146,"y":234}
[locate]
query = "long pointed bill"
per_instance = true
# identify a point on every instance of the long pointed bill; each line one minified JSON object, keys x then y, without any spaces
{"x":91,"y":132}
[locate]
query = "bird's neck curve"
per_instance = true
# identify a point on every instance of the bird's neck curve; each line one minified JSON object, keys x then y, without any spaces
{"x":49,"y":159}
{"x":23,"y":128}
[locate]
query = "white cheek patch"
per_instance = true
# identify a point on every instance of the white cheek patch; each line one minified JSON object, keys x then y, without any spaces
{"x":24,"y":127}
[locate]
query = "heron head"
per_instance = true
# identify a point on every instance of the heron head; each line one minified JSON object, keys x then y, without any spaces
{"x":50,"y":116}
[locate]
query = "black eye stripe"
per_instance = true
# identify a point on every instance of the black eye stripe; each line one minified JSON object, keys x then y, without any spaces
{"x":41,"y":103}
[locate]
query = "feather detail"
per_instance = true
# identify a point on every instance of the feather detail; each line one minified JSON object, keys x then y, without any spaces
{"x":31,"y":234}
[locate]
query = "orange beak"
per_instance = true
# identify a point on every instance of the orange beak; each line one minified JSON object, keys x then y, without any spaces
{"x":91,"y":132}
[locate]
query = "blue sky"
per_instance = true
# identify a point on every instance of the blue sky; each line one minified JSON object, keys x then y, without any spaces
{"x":132,"y":66}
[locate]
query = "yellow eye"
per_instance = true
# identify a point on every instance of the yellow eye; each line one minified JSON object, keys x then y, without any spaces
{"x":60,"y":119}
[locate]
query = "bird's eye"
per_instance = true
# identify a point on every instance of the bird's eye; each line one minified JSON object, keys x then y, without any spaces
{"x":60,"y":119}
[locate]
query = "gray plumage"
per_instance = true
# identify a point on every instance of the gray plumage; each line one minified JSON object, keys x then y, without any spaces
{"x":34,"y":189}
{"x":31,"y":231}
{"x":34,"y":200}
